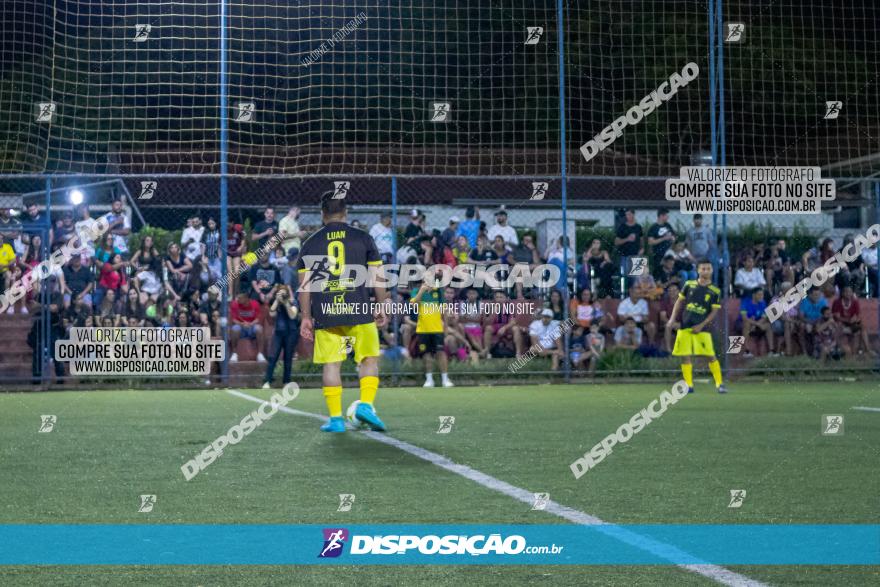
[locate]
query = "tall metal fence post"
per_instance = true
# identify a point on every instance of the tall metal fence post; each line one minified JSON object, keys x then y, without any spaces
{"x":560,"y":43}
{"x":45,"y":299}
{"x":224,"y":193}
{"x":722,"y":157}
{"x":395,"y":318}
{"x":877,"y":285}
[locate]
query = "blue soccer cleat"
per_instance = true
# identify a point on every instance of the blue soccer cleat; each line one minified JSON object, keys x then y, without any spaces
{"x":366,"y":414}
{"x":722,"y":388}
{"x":334,"y":425}
{"x":690,"y":389}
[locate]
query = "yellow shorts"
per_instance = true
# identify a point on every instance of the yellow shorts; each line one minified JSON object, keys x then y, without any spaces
{"x":687,"y":343}
{"x":332,"y":345}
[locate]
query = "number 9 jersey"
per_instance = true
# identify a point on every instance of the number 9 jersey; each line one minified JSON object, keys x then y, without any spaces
{"x":336,"y":300}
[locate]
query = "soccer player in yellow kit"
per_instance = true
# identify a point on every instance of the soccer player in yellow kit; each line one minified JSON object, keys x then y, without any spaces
{"x":333,"y":309}
{"x":429,"y":332}
{"x":701,"y":301}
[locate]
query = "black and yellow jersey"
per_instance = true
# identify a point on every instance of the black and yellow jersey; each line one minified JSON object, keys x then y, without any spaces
{"x":699,"y":302}
{"x":336,"y":300}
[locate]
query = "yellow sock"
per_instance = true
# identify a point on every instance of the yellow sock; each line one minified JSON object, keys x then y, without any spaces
{"x":369,"y":386}
{"x":687,"y":371}
{"x":715,"y":368}
{"x":333,"y":397}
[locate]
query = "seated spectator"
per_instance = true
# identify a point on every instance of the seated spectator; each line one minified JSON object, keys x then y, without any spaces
{"x":448,"y":236}
{"x":472,"y":322}
{"x":637,"y":309}
{"x":244,"y":315}
{"x":7,"y":263}
{"x":546,"y":338}
{"x":593,"y":348}
{"x":504,"y":334}
{"x":825,"y":339}
{"x":455,"y":340}
{"x":773,"y":260}
{"x":666,"y":274}
{"x":585,"y":311}
{"x":748,"y":278}
{"x":292,"y":235}
{"x":119,"y":225}
{"x":461,"y":250}
{"x":110,"y":307}
{"x":177,"y":270}
{"x":236,"y":247}
{"x":754,"y":322}
{"x":809,"y":314}
{"x":562,"y":256}
{"x":600,"y":268}
{"x":685,"y":263}
{"x":289,"y":274}
{"x":786,"y":324}
{"x":148,"y":267}
{"x":556,"y":305}
{"x":132,"y":307}
{"x":628,"y":336}
{"x":661,"y":236}
{"x":105,"y":252}
{"x":111,"y":277}
{"x":415,"y":230}
{"x":80,"y":283}
{"x":64,"y":230}
{"x":209,"y":246}
{"x":847,"y":313}
{"x":852,"y":273}
{"x":209,"y":311}
{"x":646,"y":288}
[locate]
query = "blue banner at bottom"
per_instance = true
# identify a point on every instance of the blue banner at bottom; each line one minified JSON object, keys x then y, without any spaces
{"x":439,"y":544}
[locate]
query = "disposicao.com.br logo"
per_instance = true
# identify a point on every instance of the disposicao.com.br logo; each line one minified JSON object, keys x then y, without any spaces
{"x":334,"y":540}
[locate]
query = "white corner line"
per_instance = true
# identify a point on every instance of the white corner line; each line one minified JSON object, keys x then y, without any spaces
{"x":716,"y":573}
{"x":865,"y":409}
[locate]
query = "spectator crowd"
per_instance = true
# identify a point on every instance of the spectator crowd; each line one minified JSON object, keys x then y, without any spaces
{"x":124,"y":279}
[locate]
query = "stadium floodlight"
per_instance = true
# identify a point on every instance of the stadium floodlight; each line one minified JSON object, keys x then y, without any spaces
{"x":76,"y":197}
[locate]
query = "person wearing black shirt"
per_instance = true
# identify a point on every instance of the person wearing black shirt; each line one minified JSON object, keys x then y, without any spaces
{"x":628,"y":240}
{"x":286,"y":337}
{"x":266,"y":228}
{"x":36,"y":337}
{"x":79,"y":282}
{"x":264,"y":278}
{"x":661,"y":236}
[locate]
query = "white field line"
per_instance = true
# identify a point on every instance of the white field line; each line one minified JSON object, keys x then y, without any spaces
{"x":864,"y":409}
{"x":714,"y":572}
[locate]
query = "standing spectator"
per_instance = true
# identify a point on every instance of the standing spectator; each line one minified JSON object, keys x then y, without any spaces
{"x":79,"y":283}
{"x":209,"y":245}
{"x":560,"y":254}
{"x":383,"y":235}
{"x":120,"y":225}
{"x":810,"y":311}
{"x":290,"y":231}
{"x":685,"y":263}
{"x":661,"y":236}
{"x":470,"y":228}
{"x":84,"y":230}
{"x":545,"y":335}
{"x":501,"y":228}
{"x":284,"y":311}
{"x":430,"y":339}
{"x":525,"y":253}
{"x":191,"y":239}
{"x":111,"y":279}
{"x":448,"y":234}
{"x":34,"y":223}
{"x":847,"y":313}
{"x":667,"y":303}
{"x":628,"y":241}
{"x":289,"y":274}
{"x":665,"y":274}
{"x":244,"y":314}
{"x":36,"y":338}
{"x":236,"y":246}
{"x":853,"y":272}
{"x":414,"y":231}
{"x":148,"y":267}
{"x":600,"y":267}
{"x":748,"y":278}
{"x":637,"y":309}
{"x":700,"y":240}
{"x":869,"y":258}
{"x":754,"y":322}
{"x":265,"y":228}
{"x":64,"y":230}
{"x":264,"y":278}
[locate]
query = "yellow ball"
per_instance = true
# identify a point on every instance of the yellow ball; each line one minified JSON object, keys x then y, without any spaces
{"x":249,"y":258}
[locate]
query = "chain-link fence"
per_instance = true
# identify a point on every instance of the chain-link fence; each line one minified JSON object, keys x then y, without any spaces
{"x":166,"y":261}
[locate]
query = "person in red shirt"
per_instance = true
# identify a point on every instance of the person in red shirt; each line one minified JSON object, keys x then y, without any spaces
{"x":847,"y":313}
{"x":244,"y":314}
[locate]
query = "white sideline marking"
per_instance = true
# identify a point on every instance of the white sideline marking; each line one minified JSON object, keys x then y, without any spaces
{"x":864,"y":409}
{"x":716,"y":573}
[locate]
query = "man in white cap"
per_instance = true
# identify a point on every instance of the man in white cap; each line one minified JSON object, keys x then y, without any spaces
{"x":546,"y":336}
{"x":414,"y":230}
{"x":502,"y":229}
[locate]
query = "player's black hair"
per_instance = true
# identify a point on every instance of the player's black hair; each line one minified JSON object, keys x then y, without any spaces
{"x":330,"y":206}
{"x":471,"y":212}
{"x":661,"y":212}
{"x":703,"y":261}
